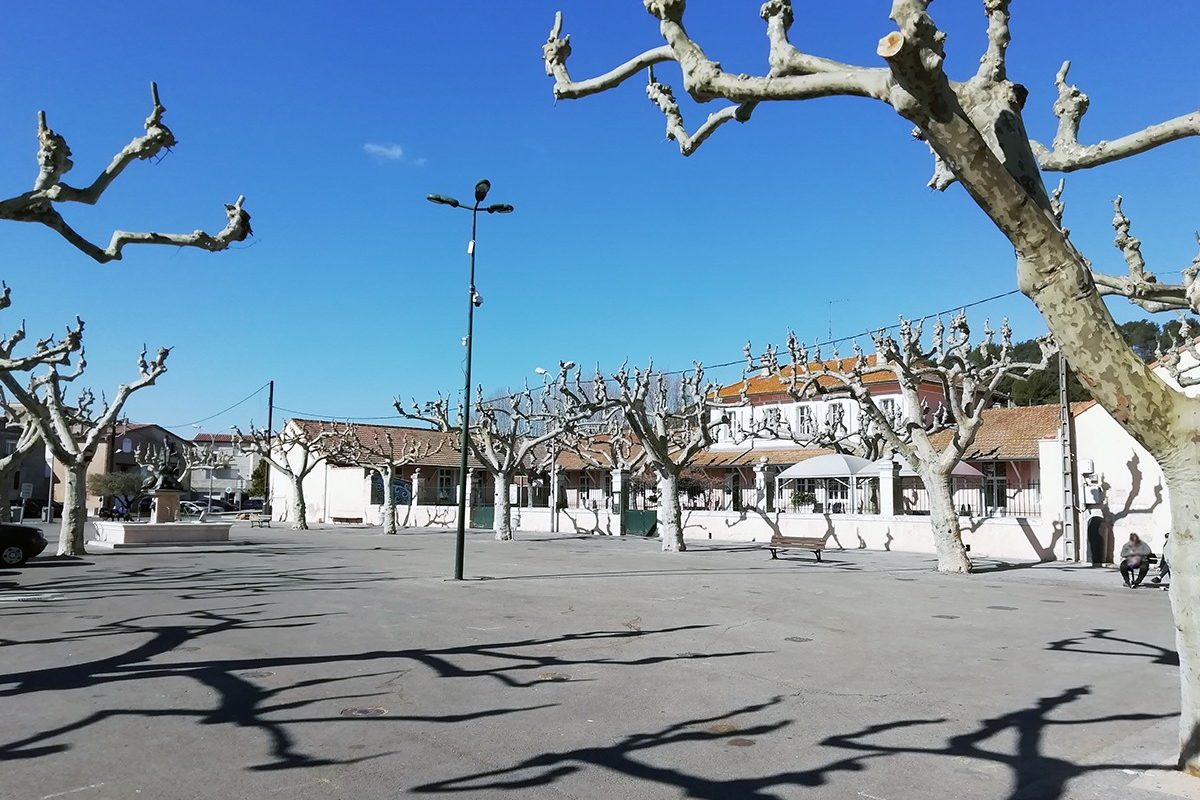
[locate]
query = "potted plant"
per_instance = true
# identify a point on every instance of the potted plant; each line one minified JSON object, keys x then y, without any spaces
{"x":803,"y":502}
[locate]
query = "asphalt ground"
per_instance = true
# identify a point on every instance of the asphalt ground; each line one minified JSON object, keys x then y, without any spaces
{"x":341,"y":663}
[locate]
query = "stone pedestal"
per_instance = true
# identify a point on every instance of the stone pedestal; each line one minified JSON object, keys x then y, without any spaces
{"x":889,"y":488}
{"x":760,"y":485}
{"x":166,"y":506}
{"x":620,"y":493}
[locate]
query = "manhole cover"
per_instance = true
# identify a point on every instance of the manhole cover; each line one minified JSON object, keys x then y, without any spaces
{"x":556,"y":677}
{"x":363,"y":712}
{"x":944,"y":616}
{"x":797,"y":639}
{"x":689,"y":655}
{"x":721,"y":727}
{"x":186,"y":649}
{"x":90,"y":616}
{"x":906,"y":579}
{"x":258,"y":673}
{"x":740,"y":742}
{"x":1093,"y":594}
{"x":1054,"y":601}
{"x":1003,"y":608}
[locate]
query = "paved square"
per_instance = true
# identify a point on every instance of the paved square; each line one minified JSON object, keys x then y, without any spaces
{"x":340,"y":663}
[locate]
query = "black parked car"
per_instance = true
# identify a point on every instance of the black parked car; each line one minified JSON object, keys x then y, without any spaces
{"x":19,"y":543}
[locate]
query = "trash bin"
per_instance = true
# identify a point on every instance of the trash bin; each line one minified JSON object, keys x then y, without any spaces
{"x":47,"y":513}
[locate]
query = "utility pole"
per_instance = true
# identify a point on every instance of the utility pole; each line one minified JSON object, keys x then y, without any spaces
{"x":1066,"y":439}
{"x":829,"y":315}
{"x":270,"y":433}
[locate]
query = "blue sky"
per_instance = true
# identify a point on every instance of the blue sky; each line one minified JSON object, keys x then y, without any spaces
{"x":335,"y":120}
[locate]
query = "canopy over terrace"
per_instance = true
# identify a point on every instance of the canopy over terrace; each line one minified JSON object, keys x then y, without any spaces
{"x":838,"y":483}
{"x":961,"y":470}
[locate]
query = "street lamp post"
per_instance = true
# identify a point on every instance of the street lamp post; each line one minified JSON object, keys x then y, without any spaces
{"x":474,"y":300}
{"x":212,"y":460}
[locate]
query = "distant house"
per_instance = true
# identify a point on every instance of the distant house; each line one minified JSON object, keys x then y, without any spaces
{"x":230,"y":473}
{"x":116,"y":453}
{"x":340,"y":492}
{"x":33,"y":475}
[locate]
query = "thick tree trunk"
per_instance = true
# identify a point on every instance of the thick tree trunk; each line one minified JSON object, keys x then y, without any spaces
{"x":943,"y":519}
{"x":1182,"y":472}
{"x":389,"y":503}
{"x":299,"y":508}
{"x":670,"y":518}
{"x":502,"y":524}
{"x":70,"y":536}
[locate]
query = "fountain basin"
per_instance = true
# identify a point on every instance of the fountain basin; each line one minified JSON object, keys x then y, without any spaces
{"x":120,"y":535}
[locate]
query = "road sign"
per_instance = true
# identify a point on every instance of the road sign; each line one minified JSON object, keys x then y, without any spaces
{"x":26,"y":491}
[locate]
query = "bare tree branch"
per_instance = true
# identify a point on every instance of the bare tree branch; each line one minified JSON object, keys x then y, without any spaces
{"x":1141,"y":286}
{"x":54,"y":161}
{"x":1069,"y":155}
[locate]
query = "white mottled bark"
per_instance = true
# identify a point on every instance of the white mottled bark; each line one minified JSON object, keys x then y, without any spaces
{"x":1182,"y":471}
{"x":943,"y":519}
{"x":502,"y":507}
{"x":299,"y":507}
{"x":670,"y":517}
{"x":388,"y":476}
{"x":71,"y":534}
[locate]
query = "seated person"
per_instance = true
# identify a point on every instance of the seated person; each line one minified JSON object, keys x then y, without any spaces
{"x":1135,"y":554}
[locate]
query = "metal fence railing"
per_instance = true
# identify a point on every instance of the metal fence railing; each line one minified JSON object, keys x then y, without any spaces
{"x":976,"y":498}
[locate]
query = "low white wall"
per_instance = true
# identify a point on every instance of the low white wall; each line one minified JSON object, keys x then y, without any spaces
{"x":585,"y":520}
{"x":1018,"y":538}
{"x":531,"y":519}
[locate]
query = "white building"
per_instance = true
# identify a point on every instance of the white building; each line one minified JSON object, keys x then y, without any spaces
{"x":229,"y":474}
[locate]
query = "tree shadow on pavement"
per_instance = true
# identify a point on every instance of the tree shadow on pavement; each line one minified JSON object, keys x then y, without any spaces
{"x":160,"y":639}
{"x":1033,"y":774}
{"x":1099,"y":637}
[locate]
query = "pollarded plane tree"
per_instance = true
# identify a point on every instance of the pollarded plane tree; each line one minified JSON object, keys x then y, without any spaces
{"x":505,"y":434}
{"x":46,"y":351}
{"x":829,"y":430}
{"x":73,"y":429}
{"x":976,"y":131}
{"x":40,"y":204}
{"x":604,"y":442}
{"x":961,"y":379}
{"x":386,"y":454}
{"x":295,"y":451}
{"x":673,"y":421}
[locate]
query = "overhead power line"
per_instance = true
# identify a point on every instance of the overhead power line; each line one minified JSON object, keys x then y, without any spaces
{"x":740,"y":361}
{"x":222,"y":411}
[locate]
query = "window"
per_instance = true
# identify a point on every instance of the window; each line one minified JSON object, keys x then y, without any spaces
{"x":995,"y":486}
{"x":835,"y":417}
{"x":889,"y":408}
{"x":585,"y":488}
{"x":127,"y":445}
{"x":445,"y":484}
{"x":806,"y":422}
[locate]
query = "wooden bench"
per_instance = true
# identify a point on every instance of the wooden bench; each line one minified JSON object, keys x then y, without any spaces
{"x":814,"y":543}
{"x":260,"y":521}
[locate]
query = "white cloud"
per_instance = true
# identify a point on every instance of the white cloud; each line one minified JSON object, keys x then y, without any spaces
{"x":386,"y":151}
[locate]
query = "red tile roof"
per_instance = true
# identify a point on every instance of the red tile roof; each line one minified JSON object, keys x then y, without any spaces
{"x":777,"y":383}
{"x":448,"y":456}
{"x":1013,"y":433}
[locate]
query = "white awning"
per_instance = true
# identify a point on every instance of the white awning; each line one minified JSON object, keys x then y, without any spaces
{"x":961,"y":470}
{"x":833,"y":465}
